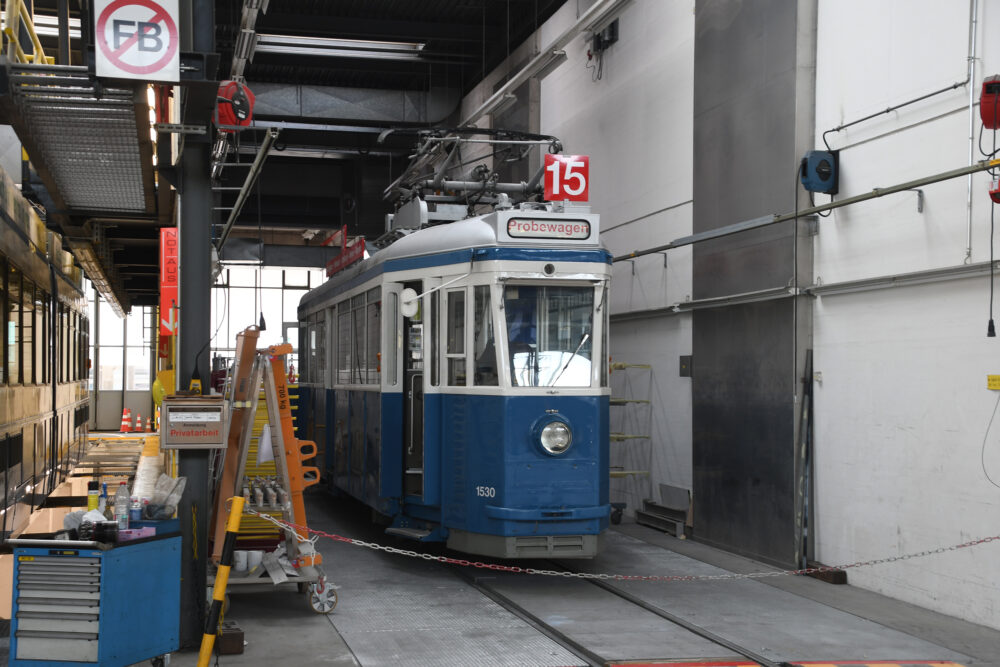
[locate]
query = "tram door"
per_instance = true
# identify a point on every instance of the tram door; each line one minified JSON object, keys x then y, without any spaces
{"x":413,"y":400}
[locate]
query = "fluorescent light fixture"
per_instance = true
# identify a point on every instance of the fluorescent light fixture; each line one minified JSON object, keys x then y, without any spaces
{"x":606,"y":16}
{"x":338,"y":48}
{"x":42,"y":19}
{"x":48,"y":26}
{"x":83,"y":250}
{"x":501,"y":104}
{"x":544,"y":64}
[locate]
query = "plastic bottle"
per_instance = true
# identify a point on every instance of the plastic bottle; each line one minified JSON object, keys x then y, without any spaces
{"x":121,"y":506}
{"x":102,"y":500}
{"x":134,"y":510}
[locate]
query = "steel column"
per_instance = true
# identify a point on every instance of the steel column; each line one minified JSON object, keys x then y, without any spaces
{"x":195,"y":207}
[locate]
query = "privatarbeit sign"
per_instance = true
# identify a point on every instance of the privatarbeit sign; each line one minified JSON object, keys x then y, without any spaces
{"x":137,"y":39}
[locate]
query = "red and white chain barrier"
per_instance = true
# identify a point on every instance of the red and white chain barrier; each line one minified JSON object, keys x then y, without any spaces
{"x":298,"y":530}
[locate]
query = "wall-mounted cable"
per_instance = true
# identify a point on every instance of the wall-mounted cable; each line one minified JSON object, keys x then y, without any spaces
{"x":986,"y":436}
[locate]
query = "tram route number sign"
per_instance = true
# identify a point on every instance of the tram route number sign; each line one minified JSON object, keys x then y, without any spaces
{"x":567,"y":177}
{"x":137,"y":39}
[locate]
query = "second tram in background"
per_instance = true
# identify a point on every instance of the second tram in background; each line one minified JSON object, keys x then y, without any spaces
{"x":44,"y":343}
{"x":458,"y":378}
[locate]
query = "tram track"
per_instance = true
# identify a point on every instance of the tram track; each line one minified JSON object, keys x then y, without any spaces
{"x":482,"y":584}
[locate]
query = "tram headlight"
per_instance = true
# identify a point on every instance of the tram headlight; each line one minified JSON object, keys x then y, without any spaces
{"x":556,"y":437}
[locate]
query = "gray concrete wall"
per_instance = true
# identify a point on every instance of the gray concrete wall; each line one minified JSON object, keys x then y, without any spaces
{"x":753,"y":97}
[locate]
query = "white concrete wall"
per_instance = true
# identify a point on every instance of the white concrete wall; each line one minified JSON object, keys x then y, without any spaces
{"x":635,"y":123}
{"x":902,"y":409}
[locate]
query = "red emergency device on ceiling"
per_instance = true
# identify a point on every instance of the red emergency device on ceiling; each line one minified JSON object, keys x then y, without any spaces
{"x":233,"y":106}
{"x":989,"y":102}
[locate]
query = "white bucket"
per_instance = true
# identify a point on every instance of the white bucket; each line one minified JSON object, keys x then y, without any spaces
{"x":240,"y":560}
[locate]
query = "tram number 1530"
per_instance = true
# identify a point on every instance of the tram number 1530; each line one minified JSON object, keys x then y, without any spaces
{"x":486,"y":492}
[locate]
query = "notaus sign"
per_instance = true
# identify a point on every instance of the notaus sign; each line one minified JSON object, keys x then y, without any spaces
{"x":548,"y":229}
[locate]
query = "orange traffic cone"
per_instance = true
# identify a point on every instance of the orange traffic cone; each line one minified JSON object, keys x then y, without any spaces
{"x":156,"y":424}
{"x":149,"y":424}
{"x":126,"y":421}
{"x":138,"y":423}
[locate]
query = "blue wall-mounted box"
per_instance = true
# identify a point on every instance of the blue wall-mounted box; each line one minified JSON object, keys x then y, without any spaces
{"x":820,"y":171}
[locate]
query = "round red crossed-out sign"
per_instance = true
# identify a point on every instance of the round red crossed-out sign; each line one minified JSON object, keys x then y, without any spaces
{"x":163,"y":42}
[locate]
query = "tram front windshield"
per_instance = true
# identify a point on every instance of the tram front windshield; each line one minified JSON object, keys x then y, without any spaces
{"x":550,"y":333}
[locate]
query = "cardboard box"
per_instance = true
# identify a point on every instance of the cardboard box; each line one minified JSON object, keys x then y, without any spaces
{"x":229,"y":640}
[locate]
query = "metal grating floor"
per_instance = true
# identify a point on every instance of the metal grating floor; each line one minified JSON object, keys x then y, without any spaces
{"x":87,"y":137}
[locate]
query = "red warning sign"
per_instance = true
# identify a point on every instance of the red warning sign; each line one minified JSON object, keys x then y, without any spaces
{"x":137,"y":39}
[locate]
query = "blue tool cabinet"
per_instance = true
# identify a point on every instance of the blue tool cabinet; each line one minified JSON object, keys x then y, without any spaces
{"x":79,"y":602}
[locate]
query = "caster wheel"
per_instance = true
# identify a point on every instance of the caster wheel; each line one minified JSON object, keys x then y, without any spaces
{"x":322,"y":597}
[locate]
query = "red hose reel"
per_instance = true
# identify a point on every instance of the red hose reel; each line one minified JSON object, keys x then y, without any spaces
{"x":233,"y":106}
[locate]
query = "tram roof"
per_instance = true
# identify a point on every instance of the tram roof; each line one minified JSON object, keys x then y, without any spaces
{"x":478,"y":232}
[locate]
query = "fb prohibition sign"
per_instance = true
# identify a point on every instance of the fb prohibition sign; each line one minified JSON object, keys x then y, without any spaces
{"x":134,"y":42}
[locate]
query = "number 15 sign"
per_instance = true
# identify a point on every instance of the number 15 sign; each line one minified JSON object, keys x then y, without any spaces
{"x":567,"y":177}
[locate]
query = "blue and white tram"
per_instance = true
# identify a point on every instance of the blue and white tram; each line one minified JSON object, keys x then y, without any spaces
{"x":458,"y":379}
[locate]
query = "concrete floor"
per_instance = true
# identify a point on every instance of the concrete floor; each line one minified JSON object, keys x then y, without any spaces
{"x":395,"y":610}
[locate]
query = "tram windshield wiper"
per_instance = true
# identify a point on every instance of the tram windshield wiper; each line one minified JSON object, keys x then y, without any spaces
{"x":583,"y":340}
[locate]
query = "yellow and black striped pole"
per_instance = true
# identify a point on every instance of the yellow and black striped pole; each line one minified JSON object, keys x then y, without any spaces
{"x":221,"y":580}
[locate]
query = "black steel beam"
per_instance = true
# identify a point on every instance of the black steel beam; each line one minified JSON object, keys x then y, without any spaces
{"x":195,"y":315}
{"x":360,"y":28}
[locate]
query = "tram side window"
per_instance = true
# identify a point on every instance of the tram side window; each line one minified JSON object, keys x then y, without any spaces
{"x":71,"y":348}
{"x":27,"y":331}
{"x":435,"y":337}
{"x":82,"y":369}
{"x":61,"y":343}
{"x":64,"y":343}
{"x":41,"y":334}
{"x":455,"y":349}
{"x":13,"y":326}
{"x":78,"y":353}
{"x":305,"y":354}
{"x":484,"y":349}
{"x":317,"y":347}
{"x":358,"y":339}
{"x":3,"y":321}
{"x":389,"y":360}
{"x":343,"y":343}
{"x":373,"y":324}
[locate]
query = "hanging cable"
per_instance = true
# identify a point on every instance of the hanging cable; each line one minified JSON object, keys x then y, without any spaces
{"x":991,"y":330}
{"x":260,"y":254}
{"x":982,"y":454}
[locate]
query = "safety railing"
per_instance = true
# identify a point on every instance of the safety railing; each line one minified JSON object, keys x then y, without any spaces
{"x":16,"y":16}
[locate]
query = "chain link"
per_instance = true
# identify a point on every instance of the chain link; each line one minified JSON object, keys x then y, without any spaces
{"x":295,"y":528}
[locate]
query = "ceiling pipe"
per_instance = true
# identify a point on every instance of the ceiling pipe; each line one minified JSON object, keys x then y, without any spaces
{"x":767,"y":220}
{"x":973,"y":27}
